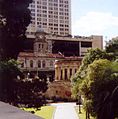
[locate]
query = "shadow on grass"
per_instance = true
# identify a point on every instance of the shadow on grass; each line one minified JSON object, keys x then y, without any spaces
{"x":45,"y":112}
{"x":81,"y":115}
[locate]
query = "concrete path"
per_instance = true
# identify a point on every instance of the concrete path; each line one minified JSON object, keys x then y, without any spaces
{"x":10,"y":112}
{"x":65,"y":111}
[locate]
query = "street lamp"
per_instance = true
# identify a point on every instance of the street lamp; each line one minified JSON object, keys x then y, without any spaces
{"x":79,"y":101}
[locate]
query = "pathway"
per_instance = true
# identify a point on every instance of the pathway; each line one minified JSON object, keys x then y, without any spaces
{"x":65,"y":111}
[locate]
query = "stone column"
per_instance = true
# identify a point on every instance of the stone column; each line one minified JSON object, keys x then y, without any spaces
{"x":68,"y":73}
{"x":63,"y":74}
{"x":73,"y":71}
{"x":56,"y":73}
{"x":59,"y":73}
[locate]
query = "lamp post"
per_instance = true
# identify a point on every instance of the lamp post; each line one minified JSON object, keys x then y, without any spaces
{"x":37,"y":67}
{"x":79,"y":102}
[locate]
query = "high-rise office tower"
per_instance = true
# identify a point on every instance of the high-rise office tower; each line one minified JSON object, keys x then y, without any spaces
{"x":54,"y":16}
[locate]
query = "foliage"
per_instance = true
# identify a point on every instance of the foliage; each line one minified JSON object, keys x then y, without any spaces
{"x":112,"y":46}
{"x":92,"y":54}
{"x":101,"y":80}
{"x":8,"y":75}
{"x":82,"y":115}
{"x":30,"y":93}
{"x":96,"y":80}
{"x":18,"y":92}
{"x":14,"y":19}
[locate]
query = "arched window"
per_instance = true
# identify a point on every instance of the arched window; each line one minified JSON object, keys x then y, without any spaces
{"x":75,"y":70}
{"x":66,"y":74}
{"x":39,"y":64}
{"x":39,"y":47}
{"x":51,"y":63}
{"x":31,"y":63}
{"x":43,"y":64}
{"x":70,"y":72}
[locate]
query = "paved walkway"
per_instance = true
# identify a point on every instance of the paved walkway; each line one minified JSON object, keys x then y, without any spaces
{"x":10,"y":112}
{"x":65,"y":111}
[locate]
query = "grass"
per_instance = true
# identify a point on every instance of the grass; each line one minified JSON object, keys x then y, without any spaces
{"x":81,"y":115}
{"x":45,"y":112}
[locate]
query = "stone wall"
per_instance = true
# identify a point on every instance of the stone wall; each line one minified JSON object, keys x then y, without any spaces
{"x":59,"y":90}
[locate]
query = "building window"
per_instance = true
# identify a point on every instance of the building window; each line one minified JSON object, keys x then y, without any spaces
{"x":43,"y":64}
{"x":39,"y":46}
{"x":61,"y":74}
{"x":31,"y":63}
{"x":66,"y":74}
{"x":51,"y":63}
{"x":86,"y":44}
{"x":75,"y":70}
{"x":39,"y":64}
{"x":70,"y":72}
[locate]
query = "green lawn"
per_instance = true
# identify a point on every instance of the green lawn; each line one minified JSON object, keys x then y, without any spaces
{"x":46,"y":111}
{"x":82,"y":115}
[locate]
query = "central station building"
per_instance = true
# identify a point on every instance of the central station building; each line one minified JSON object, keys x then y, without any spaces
{"x":56,"y":58}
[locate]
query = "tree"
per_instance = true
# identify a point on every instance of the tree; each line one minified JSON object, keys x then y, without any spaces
{"x":112,"y":46}
{"x":18,"y":91}
{"x":81,"y":82}
{"x":92,"y":55}
{"x":99,"y":86}
{"x":30,"y":93}
{"x":8,"y":76}
{"x":14,"y":19}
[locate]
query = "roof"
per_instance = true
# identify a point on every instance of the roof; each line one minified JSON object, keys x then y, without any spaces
{"x":49,"y":55}
{"x":31,"y":54}
{"x":55,"y":55}
{"x":26,"y":54}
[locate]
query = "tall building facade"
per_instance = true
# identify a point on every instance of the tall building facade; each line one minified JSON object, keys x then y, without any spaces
{"x":54,"y":16}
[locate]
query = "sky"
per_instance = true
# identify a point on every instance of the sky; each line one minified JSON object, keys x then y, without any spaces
{"x":95,"y":17}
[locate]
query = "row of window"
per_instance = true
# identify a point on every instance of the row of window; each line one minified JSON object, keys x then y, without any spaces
{"x":61,"y":29}
{"x":44,"y":4}
{"x":32,"y":8}
{"x":44,"y":13}
{"x":40,"y":64}
{"x":61,"y":25}
{"x":45,"y":24}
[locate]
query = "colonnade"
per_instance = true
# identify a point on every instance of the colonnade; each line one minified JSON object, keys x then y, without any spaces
{"x":64,"y":73}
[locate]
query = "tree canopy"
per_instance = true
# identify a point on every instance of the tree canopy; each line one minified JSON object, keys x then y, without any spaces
{"x":112,"y":46}
{"x":98,"y":86}
{"x":14,"y":19}
{"x":92,"y":54}
{"x":97,"y":80}
{"x":17,"y":91}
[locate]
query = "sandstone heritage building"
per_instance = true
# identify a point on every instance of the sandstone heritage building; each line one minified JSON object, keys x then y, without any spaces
{"x":56,"y":58}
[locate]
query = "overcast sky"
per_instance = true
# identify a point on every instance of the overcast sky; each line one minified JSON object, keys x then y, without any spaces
{"x":95,"y":17}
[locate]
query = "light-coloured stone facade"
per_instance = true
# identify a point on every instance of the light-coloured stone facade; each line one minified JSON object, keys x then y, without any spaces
{"x":50,"y":51}
{"x":59,"y":89}
{"x":56,"y":58}
{"x":66,"y":68}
